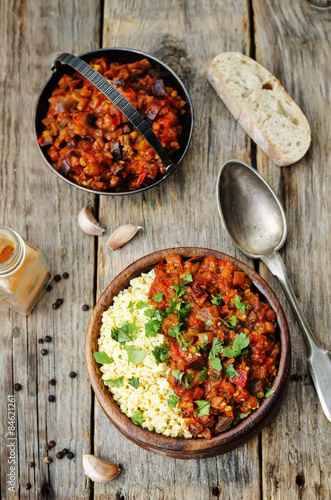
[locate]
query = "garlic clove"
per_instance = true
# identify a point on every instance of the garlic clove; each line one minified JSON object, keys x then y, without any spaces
{"x":88,"y":222}
{"x":122,"y":235}
{"x":100,"y":471}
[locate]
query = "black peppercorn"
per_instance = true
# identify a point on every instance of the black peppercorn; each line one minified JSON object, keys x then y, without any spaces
{"x":28,"y":486}
{"x":59,"y":302}
{"x":65,"y":275}
{"x":47,"y":460}
{"x":51,"y":398}
{"x":40,"y":341}
{"x":52,"y":381}
{"x":49,"y":288}
{"x":47,"y":447}
{"x":47,"y":338}
{"x":55,"y":306}
{"x":70,"y":455}
{"x":44,"y":352}
{"x":57,"y":277}
{"x":59,"y":455}
{"x":17,"y":387}
{"x":64,"y":451}
{"x":31,"y":464}
{"x":52,"y":444}
{"x":72,"y":374}
{"x":85,"y":307}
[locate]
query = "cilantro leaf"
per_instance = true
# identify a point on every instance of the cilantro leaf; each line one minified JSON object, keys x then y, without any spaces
{"x":269,"y":392}
{"x":140,"y":304}
{"x":125,"y":333}
{"x":231,"y":372}
{"x":216,"y":364}
{"x":204,"y":407}
{"x":188,"y":379}
{"x":152,"y":328}
{"x":160,"y":353}
{"x":178,"y":375}
{"x":175,"y":332}
{"x":209,"y":322}
{"x":102,"y":358}
{"x":203,"y":374}
{"x":202,"y":346}
{"x":130,"y":306}
{"x":238,"y":347}
{"x":225,"y":323}
{"x":137,"y":417}
{"x":179,"y":290}
{"x":155,"y":314}
{"x":135,"y":355}
{"x":134,"y":382}
{"x":158,"y":297}
{"x":233,"y":321}
{"x":118,"y":382}
{"x":217,"y":299}
{"x":216,"y":348}
{"x":240,"y":305}
{"x":184,"y":312}
{"x":173,"y":399}
{"x":188,"y":278}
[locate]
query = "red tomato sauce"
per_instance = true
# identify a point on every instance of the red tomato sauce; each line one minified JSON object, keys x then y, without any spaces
{"x":222,"y":341}
{"x":93,"y":144}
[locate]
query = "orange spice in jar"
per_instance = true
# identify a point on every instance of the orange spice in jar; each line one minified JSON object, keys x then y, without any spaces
{"x":24,"y":274}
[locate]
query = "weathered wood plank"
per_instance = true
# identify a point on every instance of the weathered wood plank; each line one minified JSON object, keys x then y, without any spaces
{"x":44,"y":210}
{"x":181,"y":211}
{"x":293,"y":42}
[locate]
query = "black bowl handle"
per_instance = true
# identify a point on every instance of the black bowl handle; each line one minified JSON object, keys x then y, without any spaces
{"x":120,"y":102}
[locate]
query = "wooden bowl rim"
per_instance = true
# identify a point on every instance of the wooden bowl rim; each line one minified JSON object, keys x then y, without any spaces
{"x":180,"y":447}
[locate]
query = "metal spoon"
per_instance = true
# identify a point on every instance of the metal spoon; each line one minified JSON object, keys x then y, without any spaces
{"x":255,"y":220}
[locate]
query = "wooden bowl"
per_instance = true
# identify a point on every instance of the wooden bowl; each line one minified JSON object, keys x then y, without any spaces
{"x":181,"y":447}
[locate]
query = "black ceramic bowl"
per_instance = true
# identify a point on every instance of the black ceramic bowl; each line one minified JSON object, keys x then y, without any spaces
{"x":124,"y":56}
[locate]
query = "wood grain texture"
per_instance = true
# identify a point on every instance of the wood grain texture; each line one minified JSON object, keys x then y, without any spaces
{"x":44,"y":210}
{"x":293,"y":42}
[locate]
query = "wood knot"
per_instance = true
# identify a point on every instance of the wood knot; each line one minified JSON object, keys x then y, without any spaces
{"x":215,"y":491}
{"x":172,"y":52}
{"x":300,"y":480}
{"x":321,"y":4}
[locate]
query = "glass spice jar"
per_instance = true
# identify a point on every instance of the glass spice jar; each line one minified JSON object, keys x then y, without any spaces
{"x":24,"y":274}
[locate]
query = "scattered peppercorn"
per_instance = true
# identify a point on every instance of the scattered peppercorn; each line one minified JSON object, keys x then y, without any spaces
{"x":28,"y":486}
{"x":52,"y":381}
{"x":44,"y":352}
{"x":70,"y":455}
{"x":72,"y":374}
{"x":31,"y":464}
{"x":65,"y":451}
{"x":59,"y":302}
{"x":47,"y":338}
{"x":49,"y":288}
{"x":17,"y":387}
{"x":59,"y":455}
{"x":47,"y":460}
{"x":47,"y":447}
{"x":65,"y":275}
{"x":57,"y":277}
{"x":40,"y":341}
{"x":51,"y":398}
{"x":85,"y":307}
{"x":52,"y":444}
{"x":55,"y":306}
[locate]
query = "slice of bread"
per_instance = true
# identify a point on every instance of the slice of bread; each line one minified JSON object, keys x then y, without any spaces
{"x":262,"y":106}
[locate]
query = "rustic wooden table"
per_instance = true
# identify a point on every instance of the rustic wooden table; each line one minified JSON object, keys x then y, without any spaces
{"x":290,"y":459}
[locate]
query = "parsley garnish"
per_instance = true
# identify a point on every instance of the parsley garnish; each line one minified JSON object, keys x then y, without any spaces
{"x":204,"y":407}
{"x":173,"y":399}
{"x":203,"y":374}
{"x":217,"y":299}
{"x":140,"y":304}
{"x":137,"y":417}
{"x":188,"y":379}
{"x":102,"y":358}
{"x":178,"y":375}
{"x":134,"y":382}
{"x":179,"y":290}
{"x":240,"y":305}
{"x":118,"y":382}
{"x":158,"y":297}
{"x":125,"y":333}
{"x":188,"y":278}
{"x":135,"y":355}
{"x":238,"y":347}
{"x":231,"y":372}
{"x":179,"y":336}
{"x":205,"y":342}
{"x":216,"y":364}
{"x":160,"y":353}
{"x":233,"y":321}
{"x":209,"y":322}
{"x":216,"y":348}
{"x":183,"y":312}
{"x":269,"y":392}
{"x":155,"y":323}
{"x":130,"y":306}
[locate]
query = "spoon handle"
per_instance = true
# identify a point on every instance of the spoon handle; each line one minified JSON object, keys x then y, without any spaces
{"x":319,"y":360}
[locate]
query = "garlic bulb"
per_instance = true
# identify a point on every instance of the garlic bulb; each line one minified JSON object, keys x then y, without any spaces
{"x":88,"y":222}
{"x":122,"y":235}
{"x":100,"y":471}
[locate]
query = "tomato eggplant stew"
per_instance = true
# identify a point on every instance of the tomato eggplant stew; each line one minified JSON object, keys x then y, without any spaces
{"x":93,"y":144}
{"x":222,"y":341}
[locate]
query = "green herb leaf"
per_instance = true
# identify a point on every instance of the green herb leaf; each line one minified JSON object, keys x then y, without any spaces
{"x":209,"y":322}
{"x":158,"y":297}
{"x":102,"y":358}
{"x":173,"y":399}
{"x":135,"y":355}
{"x":179,"y":290}
{"x":184,"y":312}
{"x":175,"y":332}
{"x":203,"y":374}
{"x":216,"y":348}
{"x":216,"y":364}
{"x":118,"y":382}
{"x":204,"y":407}
{"x":231,"y":372}
{"x":130,"y":306}
{"x":188,"y":379}
{"x":202,"y":346}
{"x":161,"y":353}
{"x":134,"y":382}
{"x":125,"y":333}
{"x":238,"y":347}
{"x":188,"y":278}
{"x":269,"y":392}
{"x":120,"y":356}
{"x":178,"y":375}
{"x":225,"y":323}
{"x":217,"y":299}
{"x":240,"y":305}
{"x":155,"y":314}
{"x":140,"y":304}
{"x":233,"y":321}
{"x":152,"y":328}
{"x":137,"y":417}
